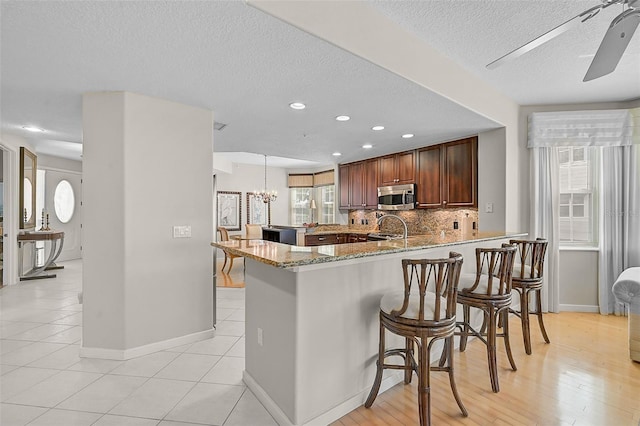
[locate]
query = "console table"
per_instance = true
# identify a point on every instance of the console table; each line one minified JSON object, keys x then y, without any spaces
{"x":56,"y":241}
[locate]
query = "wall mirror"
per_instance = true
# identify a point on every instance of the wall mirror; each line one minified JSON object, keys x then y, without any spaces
{"x":27,"y":189}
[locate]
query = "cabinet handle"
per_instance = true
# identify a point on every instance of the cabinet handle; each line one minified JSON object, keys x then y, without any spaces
{"x":321,"y":239}
{"x":444,"y":202}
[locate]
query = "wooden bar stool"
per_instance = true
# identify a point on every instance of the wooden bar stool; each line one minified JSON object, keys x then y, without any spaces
{"x":527,"y":279}
{"x":490,"y":291}
{"x":421,"y":315}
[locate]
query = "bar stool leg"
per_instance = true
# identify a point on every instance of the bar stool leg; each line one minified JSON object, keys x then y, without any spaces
{"x":539,"y":306}
{"x":524,"y":319}
{"x":408,"y":372}
{"x":505,"y":334}
{"x":491,"y":349}
{"x":449,"y":348}
{"x":380,"y":364}
{"x":465,"y":327}
{"x":424,"y":384}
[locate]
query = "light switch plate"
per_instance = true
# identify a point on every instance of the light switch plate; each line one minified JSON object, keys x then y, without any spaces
{"x":182,"y":231}
{"x":488,"y":208}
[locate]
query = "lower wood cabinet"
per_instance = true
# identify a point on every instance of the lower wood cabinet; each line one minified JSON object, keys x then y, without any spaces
{"x":321,"y":240}
{"x":342,"y":238}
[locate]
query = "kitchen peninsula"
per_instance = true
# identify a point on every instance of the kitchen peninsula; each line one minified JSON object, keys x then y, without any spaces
{"x":312,"y":318}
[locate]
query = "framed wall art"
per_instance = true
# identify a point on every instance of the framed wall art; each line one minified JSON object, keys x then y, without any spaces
{"x":229,"y":210}
{"x":258,"y":212}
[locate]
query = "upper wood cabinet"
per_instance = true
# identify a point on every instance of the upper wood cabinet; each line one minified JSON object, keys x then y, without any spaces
{"x":343,"y":173}
{"x":370,"y":184}
{"x":461,"y":173}
{"x":447,"y":175}
{"x":430,"y":177}
{"x":397,"y":169}
{"x":359,"y":185}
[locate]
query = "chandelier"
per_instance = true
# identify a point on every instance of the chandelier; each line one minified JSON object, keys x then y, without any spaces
{"x":265,"y":196}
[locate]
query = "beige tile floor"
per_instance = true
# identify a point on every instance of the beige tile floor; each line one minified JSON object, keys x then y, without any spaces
{"x":43,"y":381}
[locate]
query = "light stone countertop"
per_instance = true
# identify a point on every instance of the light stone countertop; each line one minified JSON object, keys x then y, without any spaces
{"x":288,"y":256}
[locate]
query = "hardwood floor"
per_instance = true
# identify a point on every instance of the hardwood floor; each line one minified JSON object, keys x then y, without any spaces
{"x":584,"y":377}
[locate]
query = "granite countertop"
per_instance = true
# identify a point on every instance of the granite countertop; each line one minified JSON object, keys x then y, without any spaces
{"x":287,"y":256}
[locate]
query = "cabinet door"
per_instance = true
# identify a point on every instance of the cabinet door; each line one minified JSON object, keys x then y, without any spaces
{"x":398,"y":169}
{"x":321,"y":240}
{"x":461,"y":181}
{"x":371,"y":184}
{"x":388,"y":170}
{"x":406,"y":167}
{"x":356,"y":185}
{"x":430,"y":177}
{"x":344,"y":186}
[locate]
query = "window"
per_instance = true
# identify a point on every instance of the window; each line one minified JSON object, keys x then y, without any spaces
{"x":312,"y":189}
{"x":301,"y":211}
{"x":64,"y":201}
{"x":325,"y":204}
{"x":300,"y":203}
{"x":578,"y":221}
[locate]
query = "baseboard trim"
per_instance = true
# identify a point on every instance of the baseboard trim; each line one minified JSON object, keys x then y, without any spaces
{"x":323,"y":419}
{"x":579,"y":308}
{"x":125,"y":354}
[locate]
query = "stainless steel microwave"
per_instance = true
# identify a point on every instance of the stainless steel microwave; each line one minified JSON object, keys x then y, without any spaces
{"x":397,"y":197}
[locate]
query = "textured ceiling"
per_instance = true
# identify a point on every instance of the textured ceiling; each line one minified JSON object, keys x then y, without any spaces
{"x":474,"y":33}
{"x":247,"y":67}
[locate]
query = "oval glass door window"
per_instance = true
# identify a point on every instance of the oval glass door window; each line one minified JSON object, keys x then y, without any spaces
{"x":64,"y":201}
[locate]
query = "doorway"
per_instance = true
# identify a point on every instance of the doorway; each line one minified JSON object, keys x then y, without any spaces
{"x":9,"y":222}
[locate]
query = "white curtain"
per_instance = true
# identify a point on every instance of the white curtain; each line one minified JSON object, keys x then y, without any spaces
{"x":619,"y":229}
{"x":545,"y":199}
{"x":619,"y":220}
{"x":581,"y":128}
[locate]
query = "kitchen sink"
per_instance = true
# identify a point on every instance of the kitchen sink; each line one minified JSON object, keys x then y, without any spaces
{"x":383,"y":236}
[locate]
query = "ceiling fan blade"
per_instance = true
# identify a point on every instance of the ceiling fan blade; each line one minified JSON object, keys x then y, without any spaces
{"x":613,"y":44}
{"x":549,"y":35}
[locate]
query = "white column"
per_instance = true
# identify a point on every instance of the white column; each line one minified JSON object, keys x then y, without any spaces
{"x":147,"y":167}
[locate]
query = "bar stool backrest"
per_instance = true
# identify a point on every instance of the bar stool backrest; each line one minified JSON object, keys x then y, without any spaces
{"x":438,"y":276}
{"x":494,"y":268}
{"x":530,"y":259}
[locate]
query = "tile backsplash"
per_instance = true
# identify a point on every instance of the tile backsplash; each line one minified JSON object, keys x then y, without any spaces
{"x":419,"y":221}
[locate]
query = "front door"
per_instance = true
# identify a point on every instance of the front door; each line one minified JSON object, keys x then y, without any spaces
{"x":62,"y":202}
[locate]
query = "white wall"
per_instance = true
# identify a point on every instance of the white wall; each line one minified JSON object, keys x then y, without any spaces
{"x":247,"y":178}
{"x":147,"y":166}
{"x":579,"y":280}
{"x":491,"y":181}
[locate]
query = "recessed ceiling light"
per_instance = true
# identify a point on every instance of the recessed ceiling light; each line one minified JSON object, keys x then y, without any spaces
{"x":377,"y":128}
{"x":343,"y":118}
{"x":336,"y":154}
{"x":297,"y":105}
{"x":367,"y":146}
{"x":33,"y":129}
{"x":407,"y":135}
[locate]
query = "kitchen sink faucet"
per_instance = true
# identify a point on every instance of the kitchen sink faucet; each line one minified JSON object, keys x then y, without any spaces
{"x":404,"y":236}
